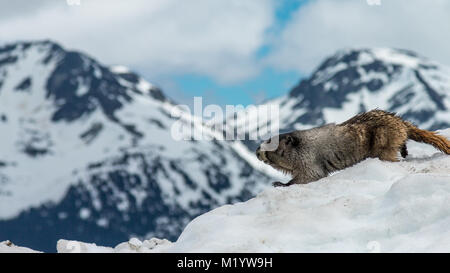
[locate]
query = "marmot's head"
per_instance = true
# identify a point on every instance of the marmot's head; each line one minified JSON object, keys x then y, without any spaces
{"x":283,"y":156}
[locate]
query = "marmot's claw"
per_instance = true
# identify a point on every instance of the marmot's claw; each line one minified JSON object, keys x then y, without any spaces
{"x":278,"y":184}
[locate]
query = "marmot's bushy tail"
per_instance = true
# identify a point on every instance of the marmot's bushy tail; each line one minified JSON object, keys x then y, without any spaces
{"x":419,"y":135}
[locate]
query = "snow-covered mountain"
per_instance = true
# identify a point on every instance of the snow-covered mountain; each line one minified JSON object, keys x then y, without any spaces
{"x":356,"y":80}
{"x":86,"y":153}
{"x":374,"y":206}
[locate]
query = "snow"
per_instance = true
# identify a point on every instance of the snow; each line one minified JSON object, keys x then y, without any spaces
{"x":374,"y":206}
{"x":134,"y":245}
{"x":400,"y":207}
{"x":392,"y":56}
{"x":84,"y":213}
{"x":119,"y":69}
{"x":8,"y":247}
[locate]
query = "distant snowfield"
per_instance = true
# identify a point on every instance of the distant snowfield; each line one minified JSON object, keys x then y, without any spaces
{"x":374,"y":206}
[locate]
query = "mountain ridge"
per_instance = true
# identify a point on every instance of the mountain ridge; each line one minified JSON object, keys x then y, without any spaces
{"x":88,"y":153}
{"x":357,"y":80}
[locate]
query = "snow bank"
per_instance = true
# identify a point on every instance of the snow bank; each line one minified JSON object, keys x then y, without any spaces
{"x":374,"y":206}
{"x":132,"y":246}
{"x":66,"y":246}
{"x":9,"y":247}
{"x":403,"y":207}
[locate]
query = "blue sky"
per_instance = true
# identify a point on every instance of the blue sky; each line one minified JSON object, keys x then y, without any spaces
{"x":269,"y":83}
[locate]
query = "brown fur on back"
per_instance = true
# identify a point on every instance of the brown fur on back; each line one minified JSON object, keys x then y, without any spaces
{"x":309,"y":155}
{"x":385,"y":133}
{"x":389,"y":133}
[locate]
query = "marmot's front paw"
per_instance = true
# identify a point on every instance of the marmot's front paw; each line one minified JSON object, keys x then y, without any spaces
{"x":279,"y":184}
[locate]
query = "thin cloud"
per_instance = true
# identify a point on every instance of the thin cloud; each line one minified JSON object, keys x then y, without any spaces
{"x":321,"y":27}
{"x":222,"y":39}
{"x":216,"y":38}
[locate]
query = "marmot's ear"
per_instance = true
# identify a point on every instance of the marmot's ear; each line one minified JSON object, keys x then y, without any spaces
{"x":290,"y":140}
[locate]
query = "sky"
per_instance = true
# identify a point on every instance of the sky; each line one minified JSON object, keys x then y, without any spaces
{"x":228,"y":51}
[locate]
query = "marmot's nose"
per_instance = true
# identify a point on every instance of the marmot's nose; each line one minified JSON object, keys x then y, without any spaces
{"x":258,"y":153}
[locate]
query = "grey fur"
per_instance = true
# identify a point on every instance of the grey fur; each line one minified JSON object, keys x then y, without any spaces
{"x":309,"y":155}
{"x":326,"y":151}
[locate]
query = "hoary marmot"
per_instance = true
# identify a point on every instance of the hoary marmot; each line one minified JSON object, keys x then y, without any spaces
{"x":309,"y":155}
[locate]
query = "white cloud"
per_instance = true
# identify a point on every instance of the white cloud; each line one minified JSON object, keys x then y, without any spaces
{"x":322,"y":26}
{"x":213,"y":38}
{"x":220,"y":38}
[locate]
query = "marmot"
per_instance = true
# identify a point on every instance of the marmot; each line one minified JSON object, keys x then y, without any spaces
{"x":309,"y":155}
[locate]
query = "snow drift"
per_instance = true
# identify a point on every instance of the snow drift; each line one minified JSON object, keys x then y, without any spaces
{"x":374,"y":206}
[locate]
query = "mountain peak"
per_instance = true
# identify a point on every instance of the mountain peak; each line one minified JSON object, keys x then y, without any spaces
{"x":358,"y":80}
{"x":364,"y":56}
{"x":87,"y":150}
{"x":77,"y":83}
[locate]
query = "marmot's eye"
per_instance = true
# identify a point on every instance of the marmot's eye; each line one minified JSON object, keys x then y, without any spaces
{"x":291,"y":141}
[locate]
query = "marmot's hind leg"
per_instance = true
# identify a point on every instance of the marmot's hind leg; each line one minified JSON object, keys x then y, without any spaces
{"x":389,"y":154}
{"x":404,"y":151}
{"x":388,"y":141}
